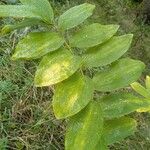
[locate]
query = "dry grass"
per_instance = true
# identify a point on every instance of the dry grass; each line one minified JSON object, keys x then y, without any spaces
{"x":26,"y":118}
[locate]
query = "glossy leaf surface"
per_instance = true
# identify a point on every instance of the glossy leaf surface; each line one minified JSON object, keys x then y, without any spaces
{"x":107,"y":52}
{"x":37,"y":44}
{"x":117,"y":129}
{"x":85,"y":128}
{"x":120,"y":74}
{"x":75,"y":16}
{"x":93,"y":35}
{"x":118,"y":105}
{"x":72,"y":94}
{"x":56,"y":67}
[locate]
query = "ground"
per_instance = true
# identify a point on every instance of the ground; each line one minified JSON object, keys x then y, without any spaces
{"x":26,"y":118}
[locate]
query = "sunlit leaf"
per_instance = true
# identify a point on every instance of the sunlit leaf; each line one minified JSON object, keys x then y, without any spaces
{"x":93,"y":35}
{"x":118,"y":129}
{"x":75,"y":16}
{"x":120,"y":74}
{"x":72,"y":94}
{"x":145,"y":109}
{"x":145,"y":92}
{"x":117,"y":105}
{"x":147,"y":83}
{"x":37,"y":44}
{"x":108,"y":52}
{"x":140,"y":89}
{"x":85,"y":129}
{"x":56,"y":67}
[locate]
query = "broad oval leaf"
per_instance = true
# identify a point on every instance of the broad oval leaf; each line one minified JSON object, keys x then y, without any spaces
{"x":72,"y":94}
{"x":75,"y":16}
{"x":56,"y":67}
{"x":107,"y":52}
{"x":18,"y":11}
{"x":117,"y":129}
{"x":93,"y":35}
{"x":41,"y":8}
{"x":120,"y":74}
{"x":37,"y":44}
{"x":85,"y":128}
{"x":118,"y":105}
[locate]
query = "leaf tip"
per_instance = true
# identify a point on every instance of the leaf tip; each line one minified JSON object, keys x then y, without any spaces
{"x":6,"y":29}
{"x":148,"y":77}
{"x":134,"y":84}
{"x":92,"y":6}
{"x":129,"y":37}
{"x":117,"y":26}
{"x":13,"y":57}
{"x":36,"y":82}
{"x":114,"y":27}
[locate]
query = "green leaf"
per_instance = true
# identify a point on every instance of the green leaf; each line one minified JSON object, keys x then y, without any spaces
{"x":22,"y":24}
{"x":144,"y":109}
{"x":144,"y":92}
{"x":85,"y":128}
{"x":37,"y":44}
{"x":120,"y":104}
{"x":101,"y":145}
{"x":40,"y":9}
{"x":117,"y":129}
{"x":93,"y":35}
{"x":18,"y":11}
{"x":56,"y":67}
{"x":147,"y":82}
{"x":107,"y":52}
{"x":25,"y":1}
{"x":120,"y":74}
{"x":43,"y":9}
{"x":79,"y":93}
{"x":75,"y":16}
{"x":140,"y":89}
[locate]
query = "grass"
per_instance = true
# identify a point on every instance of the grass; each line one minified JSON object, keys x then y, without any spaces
{"x":26,"y":118}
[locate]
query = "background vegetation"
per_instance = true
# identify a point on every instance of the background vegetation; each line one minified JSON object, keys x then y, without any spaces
{"x":26,"y":119}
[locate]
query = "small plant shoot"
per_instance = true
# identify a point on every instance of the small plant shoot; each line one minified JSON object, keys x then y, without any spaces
{"x":66,"y":54}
